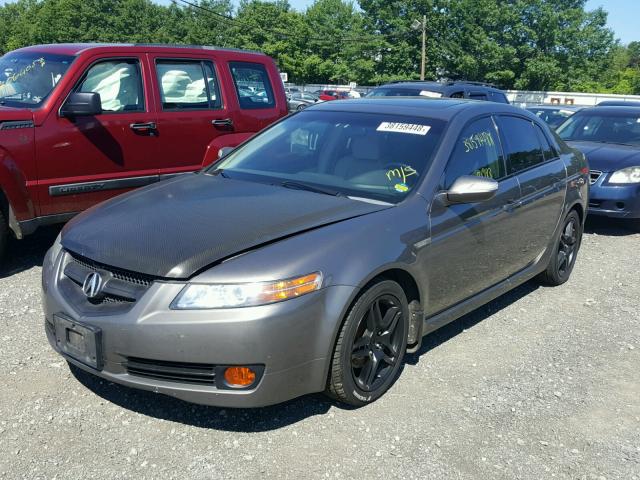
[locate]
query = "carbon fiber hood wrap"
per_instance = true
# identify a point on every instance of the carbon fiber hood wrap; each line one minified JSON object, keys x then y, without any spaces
{"x":176,"y":228}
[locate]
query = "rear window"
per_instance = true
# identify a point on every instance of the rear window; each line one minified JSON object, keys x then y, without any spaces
{"x":252,"y":85}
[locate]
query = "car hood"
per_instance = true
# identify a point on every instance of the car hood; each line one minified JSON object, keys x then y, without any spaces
{"x":608,"y":157}
{"x":9,"y":114}
{"x":179,"y":227}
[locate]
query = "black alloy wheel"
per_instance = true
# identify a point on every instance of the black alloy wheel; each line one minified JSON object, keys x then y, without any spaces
{"x":374,"y":353}
{"x":370,"y":346}
{"x":563,"y":258}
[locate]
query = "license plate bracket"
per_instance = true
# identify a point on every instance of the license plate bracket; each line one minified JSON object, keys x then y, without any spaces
{"x":79,"y":341}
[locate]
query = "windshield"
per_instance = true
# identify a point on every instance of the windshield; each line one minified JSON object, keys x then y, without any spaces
{"x":610,"y":127}
{"x":371,"y":156}
{"x":26,"y":79}
{"x":553,"y":117}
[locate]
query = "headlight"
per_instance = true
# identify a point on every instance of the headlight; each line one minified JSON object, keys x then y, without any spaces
{"x":626,"y":175}
{"x":202,"y":296}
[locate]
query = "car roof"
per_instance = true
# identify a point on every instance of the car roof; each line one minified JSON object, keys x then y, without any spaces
{"x":610,"y":111}
{"x":438,"y":86}
{"x":553,"y":107}
{"x":618,"y":103}
{"x":439,"y":108}
{"x":79,"y":48}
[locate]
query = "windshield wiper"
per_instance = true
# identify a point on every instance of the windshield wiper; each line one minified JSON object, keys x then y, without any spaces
{"x":311,"y":188}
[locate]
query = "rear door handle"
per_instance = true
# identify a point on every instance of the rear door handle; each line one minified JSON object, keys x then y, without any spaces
{"x":148,"y":127}
{"x":224,"y":122}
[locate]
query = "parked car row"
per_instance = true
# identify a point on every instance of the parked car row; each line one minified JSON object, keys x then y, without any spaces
{"x":209,"y":286}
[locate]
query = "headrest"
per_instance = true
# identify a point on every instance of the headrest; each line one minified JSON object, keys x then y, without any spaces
{"x":365,"y":148}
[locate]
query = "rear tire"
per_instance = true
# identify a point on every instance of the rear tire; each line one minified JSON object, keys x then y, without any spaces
{"x":370,"y":346}
{"x":565,"y":251}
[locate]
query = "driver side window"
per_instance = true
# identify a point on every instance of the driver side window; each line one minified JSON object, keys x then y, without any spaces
{"x":119,"y":84}
{"x":477,"y":152}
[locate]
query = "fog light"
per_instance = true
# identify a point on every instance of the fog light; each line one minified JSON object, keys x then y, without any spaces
{"x":239,"y":376}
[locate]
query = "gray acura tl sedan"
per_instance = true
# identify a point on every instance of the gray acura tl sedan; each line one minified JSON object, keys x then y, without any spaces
{"x":312,"y":257}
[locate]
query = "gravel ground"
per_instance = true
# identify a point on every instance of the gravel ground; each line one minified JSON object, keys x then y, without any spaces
{"x":541,"y":383}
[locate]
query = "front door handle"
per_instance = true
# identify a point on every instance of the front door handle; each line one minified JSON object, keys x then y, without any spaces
{"x":224,"y":122}
{"x":146,"y":127}
{"x":511,"y":205}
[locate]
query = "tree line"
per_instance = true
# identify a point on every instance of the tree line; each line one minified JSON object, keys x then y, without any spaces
{"x":523,"y":44}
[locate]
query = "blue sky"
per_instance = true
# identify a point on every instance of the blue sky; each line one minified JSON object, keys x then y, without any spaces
{"x":623,"y":15}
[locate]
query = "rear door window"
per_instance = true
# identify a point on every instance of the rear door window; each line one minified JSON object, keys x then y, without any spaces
{"x":187,"y":85}
{"x":252,"y":85}
{"x":522,"y":145}
{"x":548,"y":151}
{"x":477,"y":152}
{"x":119,"y":83}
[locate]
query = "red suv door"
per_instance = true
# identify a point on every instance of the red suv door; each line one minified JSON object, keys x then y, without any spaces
{"x":84,"y":160}
{"x":192,"y":110}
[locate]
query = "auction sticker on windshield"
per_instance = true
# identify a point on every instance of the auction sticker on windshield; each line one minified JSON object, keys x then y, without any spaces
{"x":396,"y":127}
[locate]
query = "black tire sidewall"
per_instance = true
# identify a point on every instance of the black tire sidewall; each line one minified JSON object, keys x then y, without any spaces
{"x":554,"y":259}
{"x":4,"y":235}
{"x":354,"y":394}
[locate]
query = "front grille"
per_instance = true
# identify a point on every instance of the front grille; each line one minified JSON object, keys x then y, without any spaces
{"x":196,"y":373}
{"x":120,"y":274}
{"x":594,"y":175}
{"x":124,"y":287}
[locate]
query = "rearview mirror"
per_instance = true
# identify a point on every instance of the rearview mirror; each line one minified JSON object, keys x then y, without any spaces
{"x":82,"y":104}
{"x":471,"y":189}
{"x":224,"y":151}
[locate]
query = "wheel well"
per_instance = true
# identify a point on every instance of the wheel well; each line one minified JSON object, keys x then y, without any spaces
{"x":404,"y":279}
{"x":578,"y":208}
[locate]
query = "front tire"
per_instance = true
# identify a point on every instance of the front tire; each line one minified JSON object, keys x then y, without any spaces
{"x":563,"y":257}
{"x":4,"y":235}
{"x":370,"y":346}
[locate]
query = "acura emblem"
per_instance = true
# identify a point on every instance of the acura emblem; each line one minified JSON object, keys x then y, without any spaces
{"x":92,"y":286}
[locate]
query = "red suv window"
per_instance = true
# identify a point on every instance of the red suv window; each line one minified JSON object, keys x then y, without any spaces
{"x":252,"y":85}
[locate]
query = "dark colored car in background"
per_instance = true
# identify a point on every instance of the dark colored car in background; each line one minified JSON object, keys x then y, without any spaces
{"x":80,"y":123}
{"x":618,"y":103}
{"x":553,"y":115}
{"x":452,"y":89}
{"x":219,"y":293}
{"x":610,"y":138}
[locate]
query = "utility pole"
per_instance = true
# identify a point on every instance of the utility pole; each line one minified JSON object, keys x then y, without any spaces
{"x":424,"y":46}
{"x":416,"y":25}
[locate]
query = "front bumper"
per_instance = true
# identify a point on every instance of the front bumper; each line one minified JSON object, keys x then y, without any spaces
{"x":617,"y":201}
{"x":292,"y":340}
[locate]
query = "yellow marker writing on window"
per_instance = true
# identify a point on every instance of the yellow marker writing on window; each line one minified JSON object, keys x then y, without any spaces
{"x":402,"y":172}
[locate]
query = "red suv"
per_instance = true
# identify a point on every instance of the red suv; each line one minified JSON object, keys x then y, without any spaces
{"x":80,"y":123}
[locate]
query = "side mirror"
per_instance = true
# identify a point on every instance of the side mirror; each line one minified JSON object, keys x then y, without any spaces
{"x":470,"y":189}
{"x":224,"y":151}
{"x":82,"y":104}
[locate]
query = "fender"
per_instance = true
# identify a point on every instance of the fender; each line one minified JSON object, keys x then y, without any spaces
{"x":230,"y":140}
{"x":13,"y":186}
